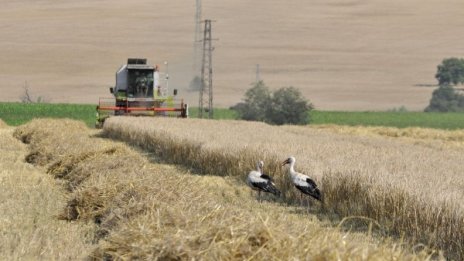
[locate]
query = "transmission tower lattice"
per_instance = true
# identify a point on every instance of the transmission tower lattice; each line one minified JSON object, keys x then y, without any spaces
{"x":206,"y":90}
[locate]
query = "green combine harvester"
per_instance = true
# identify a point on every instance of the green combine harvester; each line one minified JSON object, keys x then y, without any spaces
{"x":138,"y":92}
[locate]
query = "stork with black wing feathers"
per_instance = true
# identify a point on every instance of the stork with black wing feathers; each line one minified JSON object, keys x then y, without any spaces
{"x":259,"y":181}
{"x":302,"y":182}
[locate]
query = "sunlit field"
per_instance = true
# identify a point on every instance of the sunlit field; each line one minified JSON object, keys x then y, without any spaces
{"x":425,"y":136}
{"x":412,"y":190}
{"x":391,"y":176}
{"x":138,"y":208}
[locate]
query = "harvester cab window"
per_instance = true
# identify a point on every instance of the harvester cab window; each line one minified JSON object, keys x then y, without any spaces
{"x":140,"y":83}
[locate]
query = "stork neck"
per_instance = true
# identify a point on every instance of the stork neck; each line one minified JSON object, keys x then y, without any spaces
{"x":292,"y":169}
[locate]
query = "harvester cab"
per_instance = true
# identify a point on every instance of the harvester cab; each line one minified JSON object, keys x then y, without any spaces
{"x":134,"y":80}
{"x":138,"y":92}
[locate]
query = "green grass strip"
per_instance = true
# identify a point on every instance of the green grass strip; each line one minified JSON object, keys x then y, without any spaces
{"x":14,"y":114}
{"x":451,"y":121}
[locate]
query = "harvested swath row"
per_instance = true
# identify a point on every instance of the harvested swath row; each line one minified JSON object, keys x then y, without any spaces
{"x":105,"y":190}
{"x":44,"y":145}
{"x":149,"y":211}
{"x":30,"y":201}
{"x":213,"y":230}
{"x":71,"y":169}
{"x":85,"y":164}
{"x":375,"y":178}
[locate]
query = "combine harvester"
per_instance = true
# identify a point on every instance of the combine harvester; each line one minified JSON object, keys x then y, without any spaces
{"x":138,"y":92}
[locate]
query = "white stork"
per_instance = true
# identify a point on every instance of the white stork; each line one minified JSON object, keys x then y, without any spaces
{"x":302,"y":182}
{"x":261,"y":182}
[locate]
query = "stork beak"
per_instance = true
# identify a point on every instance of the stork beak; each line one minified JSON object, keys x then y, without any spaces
{"x":285,"y":162}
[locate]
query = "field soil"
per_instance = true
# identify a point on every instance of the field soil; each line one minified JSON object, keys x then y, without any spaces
{"x":343,"y":55}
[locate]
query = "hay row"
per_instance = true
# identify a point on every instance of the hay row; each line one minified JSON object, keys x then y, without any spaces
{"x":231,"y":148}
{"x":29,"y":205}
{"x":151,"y":211}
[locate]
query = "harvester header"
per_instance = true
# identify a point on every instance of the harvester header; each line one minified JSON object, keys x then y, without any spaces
{"x":138,"y":92}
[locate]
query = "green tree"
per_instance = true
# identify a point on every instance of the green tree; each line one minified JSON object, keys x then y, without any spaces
{"x":450,"y":71}
{"x":285,"y":106}
{"x":256,"y":103}
{"x":446,"y":99}
{"x":289,"y":107}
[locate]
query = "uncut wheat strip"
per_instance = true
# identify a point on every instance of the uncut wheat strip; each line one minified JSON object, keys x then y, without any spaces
{"x":426,"y":134}
{"x":398,"y":212}
{"x":380,"y":160}
{"x":427,"y":172}
{"x":414,"y":168}
{"x":396,"y":164}
{"x":134,"y":135}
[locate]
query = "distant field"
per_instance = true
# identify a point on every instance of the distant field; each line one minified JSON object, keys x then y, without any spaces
{"x":19,"y":113}
{"x":342,"y":54}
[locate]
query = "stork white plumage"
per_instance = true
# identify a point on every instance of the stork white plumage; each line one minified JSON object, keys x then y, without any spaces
{"x":259,"y":181}
{"x":302,"y":182}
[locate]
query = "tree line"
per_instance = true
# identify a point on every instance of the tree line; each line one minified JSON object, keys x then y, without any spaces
{"x":288,"y":106}
{"x":446,"y":98}
{"x":284,"y":106}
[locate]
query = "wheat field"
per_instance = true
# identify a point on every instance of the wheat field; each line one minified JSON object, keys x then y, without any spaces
{"x":411,"y":189}
{"x":425,"y":136}
{"x":125,"y":205}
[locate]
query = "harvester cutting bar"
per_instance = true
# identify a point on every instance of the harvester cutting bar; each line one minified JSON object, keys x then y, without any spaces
{"x":129,"y":109}
{"x":142,"y":104}
{"x":168,"y":107}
